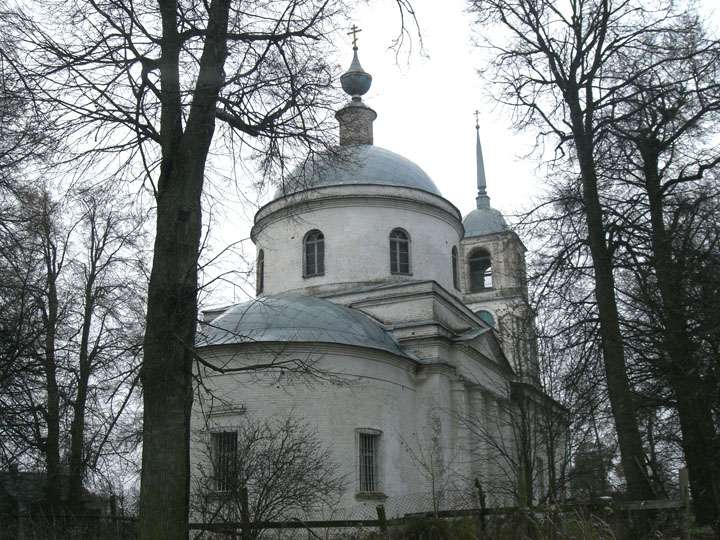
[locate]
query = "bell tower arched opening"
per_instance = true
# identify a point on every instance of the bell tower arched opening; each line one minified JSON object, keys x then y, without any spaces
{"x":480,"y":270}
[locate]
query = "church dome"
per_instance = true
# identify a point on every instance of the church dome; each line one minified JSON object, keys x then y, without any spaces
{"x":358,"y":164}
{"x":484,"y":221}
{"x":289,"y":318}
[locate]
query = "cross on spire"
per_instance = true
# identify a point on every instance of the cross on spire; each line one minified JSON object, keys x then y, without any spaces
{"x":354,"y":30}
{"x":477,"y":121}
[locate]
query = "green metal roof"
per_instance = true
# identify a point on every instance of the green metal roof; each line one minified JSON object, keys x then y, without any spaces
{"x":357,"y":165}
{"x":296,"y":318}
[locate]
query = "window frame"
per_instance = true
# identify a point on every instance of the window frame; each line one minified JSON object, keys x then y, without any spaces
{"x":368,"y":485}
{"x":455,"y":268}
{"x":318,"y":247}
{"x":260,"y":272}
{"x":224,"y":482}
{"x":396,"y":252}
{"x":480,"y":253}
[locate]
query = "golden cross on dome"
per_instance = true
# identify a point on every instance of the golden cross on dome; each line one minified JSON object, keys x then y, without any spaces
{"x":354,"y":30}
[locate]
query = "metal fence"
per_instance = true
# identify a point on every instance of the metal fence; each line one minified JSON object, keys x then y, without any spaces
{"x":617,"y":520}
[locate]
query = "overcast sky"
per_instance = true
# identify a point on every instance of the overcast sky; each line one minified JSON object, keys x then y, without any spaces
{"x":425,"y":102}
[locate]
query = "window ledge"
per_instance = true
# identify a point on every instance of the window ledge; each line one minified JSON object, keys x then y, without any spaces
{"x":309,"y":276}
{"x":370,"y":496}
{"x":216,"y":495}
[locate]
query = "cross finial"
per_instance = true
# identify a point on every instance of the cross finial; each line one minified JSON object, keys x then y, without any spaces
{"x":354,"y":30}
{"x":477,"y":121}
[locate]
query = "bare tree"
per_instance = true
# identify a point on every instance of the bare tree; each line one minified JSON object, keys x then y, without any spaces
{"x":110,"y":310}
{"x":666,"y":119}
{"x":559,"y":73}
{"x":437,"y":464}
{"x":522,"y":447}
{"x":24,"y":129}
{"x":73,"y":350}
{"x":265,"y":470}
{"x":662,"y":112}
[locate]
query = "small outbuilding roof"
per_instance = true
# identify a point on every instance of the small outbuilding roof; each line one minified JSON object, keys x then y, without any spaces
{"x":290,"y":318}
{"x":356,"y":165}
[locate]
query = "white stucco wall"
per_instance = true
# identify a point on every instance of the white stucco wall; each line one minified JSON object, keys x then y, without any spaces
{"x":401,"y":399}
{"x":379,"y":392}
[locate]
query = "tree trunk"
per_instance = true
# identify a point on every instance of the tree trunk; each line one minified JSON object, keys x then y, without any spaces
{"x":683,"y":369}
{"x":77,"y":429}
{"x":172,"y":293}
{"x":52,"y":414}
{"x":621,"y":399}
{"x":52,"y":417}
{"x":168,"y":354}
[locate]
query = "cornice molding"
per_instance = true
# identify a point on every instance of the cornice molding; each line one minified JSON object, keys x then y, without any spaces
{"x":343,"y":197}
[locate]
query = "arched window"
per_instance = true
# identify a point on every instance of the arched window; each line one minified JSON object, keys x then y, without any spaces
{"x":260,"y":272}
{"x":399,"y":252}
{"x":314,"y":259}
{"x":486,"y":316}
{"x":480,"y":270}
{"x":455,"y":268}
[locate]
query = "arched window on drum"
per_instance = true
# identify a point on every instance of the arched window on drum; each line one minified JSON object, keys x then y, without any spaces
{"x":260,"y":272}
{"x":399,"y":252}
{"x":456,"y":279}
{"x":314,"y":254}
{"x":480,"y":270}
{"x":486,"y":316}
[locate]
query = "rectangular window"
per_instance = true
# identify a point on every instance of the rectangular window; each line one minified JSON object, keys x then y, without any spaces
{"x":310,"y":266}
{"x":399,"y":257}
{"x":403,"y":258}
{"x":540,"y":474}
{"x":368,"y":461}
{"x":224,"y":445}
{"x":320,"y":258}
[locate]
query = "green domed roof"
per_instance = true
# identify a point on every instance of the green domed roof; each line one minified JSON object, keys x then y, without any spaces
{"x":289,"y":318}
{"x":357,"y":165}
{"x":484,"y":221}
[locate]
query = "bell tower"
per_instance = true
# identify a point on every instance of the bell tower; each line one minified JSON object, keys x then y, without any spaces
{"x":493,"y":277}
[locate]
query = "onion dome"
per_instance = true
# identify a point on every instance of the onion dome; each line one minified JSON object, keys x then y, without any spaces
{"x":355,"y":118}
{"x":356,"y":81}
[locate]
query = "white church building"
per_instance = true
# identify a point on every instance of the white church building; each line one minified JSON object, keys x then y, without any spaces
{"x":368,"y":275}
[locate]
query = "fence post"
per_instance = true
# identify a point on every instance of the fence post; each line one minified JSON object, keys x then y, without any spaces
{"x":482,"y":501}
{"x":684,"y":482}
{"x":244,"y":514}
{"x":380,"y":509}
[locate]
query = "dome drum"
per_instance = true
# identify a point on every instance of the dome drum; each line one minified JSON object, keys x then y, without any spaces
{"x":356,"y":229}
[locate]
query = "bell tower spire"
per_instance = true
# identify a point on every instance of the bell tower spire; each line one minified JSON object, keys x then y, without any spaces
{"x":482,"y":200}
